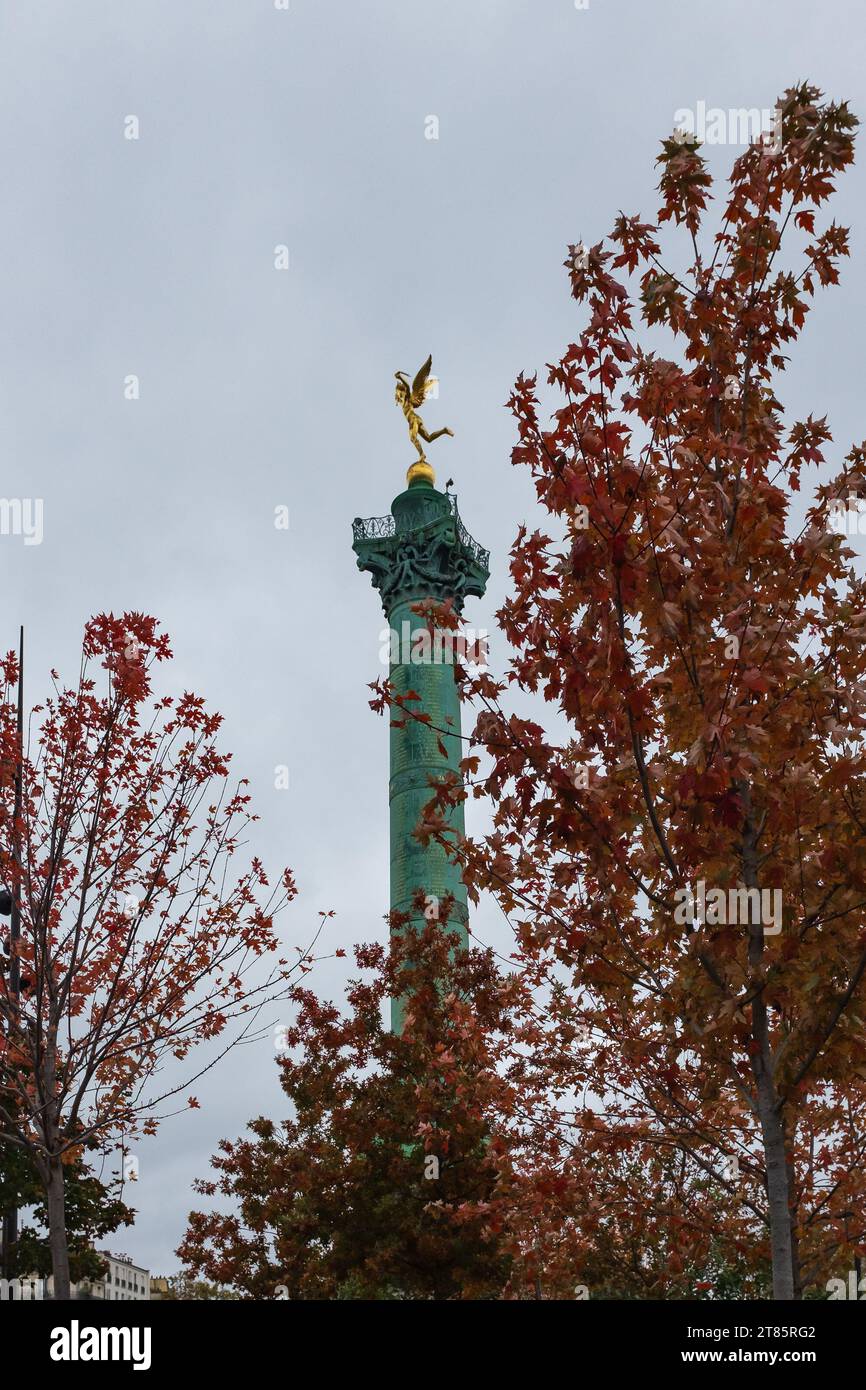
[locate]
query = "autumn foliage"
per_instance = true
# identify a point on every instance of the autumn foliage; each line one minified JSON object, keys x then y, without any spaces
{"x":690,"y":616}
{"x":137,"y":937}
{"x":662,"y":1093}
{"x":378,"y":1183}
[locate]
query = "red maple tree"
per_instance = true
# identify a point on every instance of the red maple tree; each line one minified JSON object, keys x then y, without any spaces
{"x":135,"y":939}
{"x":684,"y":852}
{"x":383,"y":1182}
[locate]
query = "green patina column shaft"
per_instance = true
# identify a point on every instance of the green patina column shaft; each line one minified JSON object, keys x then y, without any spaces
{"x":421,"y":551}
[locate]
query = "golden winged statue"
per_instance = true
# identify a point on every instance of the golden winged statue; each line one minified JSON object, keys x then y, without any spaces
{"x":409,"y":396}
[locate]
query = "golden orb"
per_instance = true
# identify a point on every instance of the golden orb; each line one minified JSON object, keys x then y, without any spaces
{"x":420,"y":470}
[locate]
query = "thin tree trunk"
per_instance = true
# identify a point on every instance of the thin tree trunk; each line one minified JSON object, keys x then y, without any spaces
{"x":57,"y":1243}
{"x":769,"y":1111}
{"x":795,"y":1239}
{"x":778,"y":1198}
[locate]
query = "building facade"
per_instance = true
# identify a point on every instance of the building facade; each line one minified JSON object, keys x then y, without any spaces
{"x":122,"y":1280}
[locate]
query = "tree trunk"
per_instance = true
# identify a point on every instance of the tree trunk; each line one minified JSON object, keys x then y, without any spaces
{"x":57,"y":1243}
{"x":795,"y":1238}
{"x":778,"y":1197}
{"x":769,"y":1111}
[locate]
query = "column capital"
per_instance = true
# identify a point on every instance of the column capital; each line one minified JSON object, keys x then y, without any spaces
{"x":421,"y":550}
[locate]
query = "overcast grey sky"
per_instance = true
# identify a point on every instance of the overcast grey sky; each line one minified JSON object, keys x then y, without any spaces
{"x":261,"y":127}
